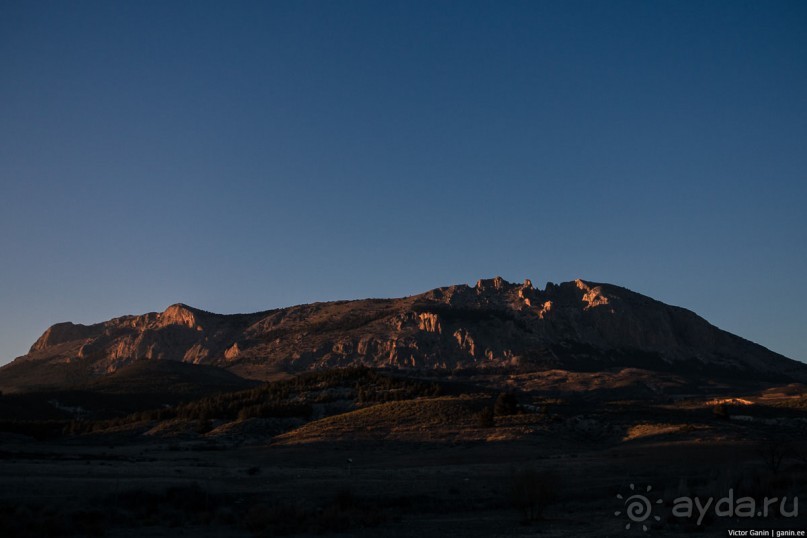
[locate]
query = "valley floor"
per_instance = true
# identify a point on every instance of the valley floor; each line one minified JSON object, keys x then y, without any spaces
{"x":389,"y":489}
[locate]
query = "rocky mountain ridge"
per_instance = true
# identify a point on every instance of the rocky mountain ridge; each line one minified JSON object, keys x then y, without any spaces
{"x":494,"y":324}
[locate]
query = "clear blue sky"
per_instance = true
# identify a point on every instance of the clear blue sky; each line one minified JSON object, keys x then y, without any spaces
{"x":239,"y":156}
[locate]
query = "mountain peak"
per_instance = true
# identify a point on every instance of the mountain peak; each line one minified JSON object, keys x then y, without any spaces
{"x":60,"y":333}
{"x":182,"y":314}
{"x":495,"y":283}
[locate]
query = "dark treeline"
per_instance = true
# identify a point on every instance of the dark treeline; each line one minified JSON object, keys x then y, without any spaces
{"x":292,"y":398}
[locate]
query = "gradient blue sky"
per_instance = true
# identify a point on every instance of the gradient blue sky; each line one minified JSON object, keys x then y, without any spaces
{"x":240,"y":156}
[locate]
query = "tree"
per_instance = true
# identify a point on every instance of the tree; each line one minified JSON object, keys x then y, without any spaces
{"x":721,"y":411}
{"x":485,"y":418}
{"x":204,"y":423}
{"x":773,"y":450}
{"x":531,"y":491}
{"x":506,"y":404}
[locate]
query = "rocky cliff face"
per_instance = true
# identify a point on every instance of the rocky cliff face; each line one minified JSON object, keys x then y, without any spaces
{"x":495,"y":324}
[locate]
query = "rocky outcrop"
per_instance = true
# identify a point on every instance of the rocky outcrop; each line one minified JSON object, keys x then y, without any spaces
{"x":65,"y":332}
{"x":494,"y":324}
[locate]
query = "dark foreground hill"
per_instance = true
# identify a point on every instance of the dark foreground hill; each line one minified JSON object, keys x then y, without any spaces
{"x":493,"y":326}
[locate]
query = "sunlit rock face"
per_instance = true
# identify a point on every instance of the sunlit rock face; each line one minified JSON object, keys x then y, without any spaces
{"x":179,"y":314}
{"x":494,"y":324}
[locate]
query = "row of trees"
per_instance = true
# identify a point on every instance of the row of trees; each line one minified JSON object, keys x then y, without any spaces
{"x":281,"y":399}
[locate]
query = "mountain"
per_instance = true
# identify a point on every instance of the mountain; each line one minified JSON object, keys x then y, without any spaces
{"x":493,"y":326}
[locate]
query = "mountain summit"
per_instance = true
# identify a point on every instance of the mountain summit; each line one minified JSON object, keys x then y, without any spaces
{"x":577,"y":325}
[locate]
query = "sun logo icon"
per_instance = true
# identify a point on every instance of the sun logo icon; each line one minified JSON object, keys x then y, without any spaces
{"x":638,"y":507}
